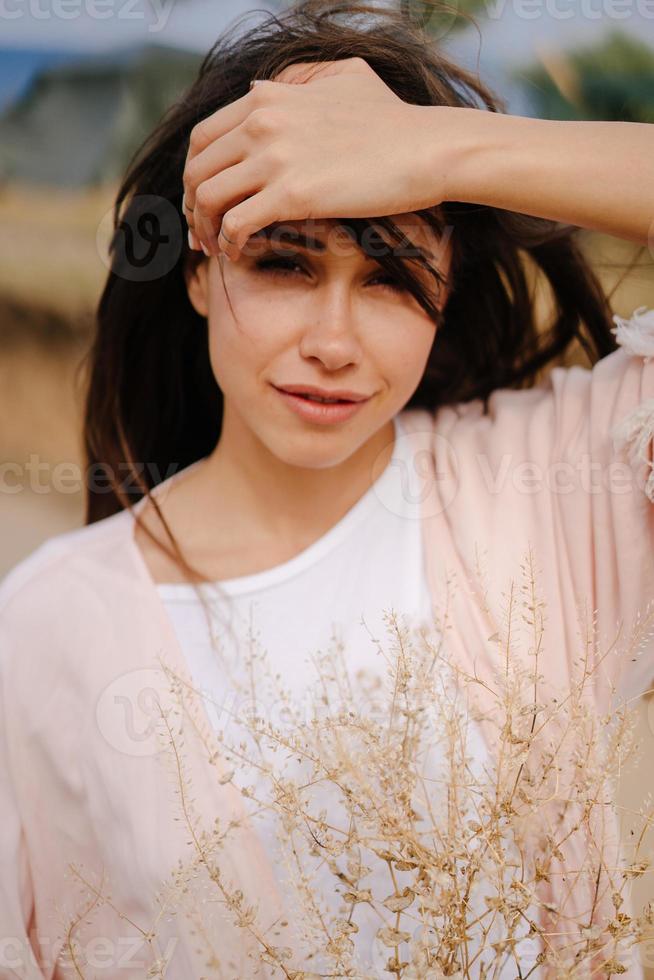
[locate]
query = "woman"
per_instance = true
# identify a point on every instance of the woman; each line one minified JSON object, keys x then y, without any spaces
{"x":306,"y":516}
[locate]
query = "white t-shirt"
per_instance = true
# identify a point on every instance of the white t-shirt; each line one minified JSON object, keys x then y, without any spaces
{"x":336,"y":591}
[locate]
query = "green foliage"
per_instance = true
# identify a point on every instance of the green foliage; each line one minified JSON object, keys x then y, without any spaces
{"x":438,"y":16}
{"x":613,"y":80}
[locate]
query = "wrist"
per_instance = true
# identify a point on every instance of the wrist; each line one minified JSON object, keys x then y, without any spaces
{"x":466,"y":148}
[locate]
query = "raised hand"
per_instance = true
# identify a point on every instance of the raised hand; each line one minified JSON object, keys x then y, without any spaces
{"x":320,"y":140}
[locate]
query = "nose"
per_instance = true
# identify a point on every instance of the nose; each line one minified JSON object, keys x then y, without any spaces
{"x":331,"y":334}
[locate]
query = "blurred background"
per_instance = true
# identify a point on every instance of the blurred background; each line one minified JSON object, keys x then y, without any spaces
{"x":81,"y":84}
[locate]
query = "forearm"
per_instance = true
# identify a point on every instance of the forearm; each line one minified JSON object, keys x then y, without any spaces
{"x":597,"y":175}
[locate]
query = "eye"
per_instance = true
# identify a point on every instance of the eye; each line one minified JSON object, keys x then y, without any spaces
{"x":390,"y":283}
{"x":278,"y":266}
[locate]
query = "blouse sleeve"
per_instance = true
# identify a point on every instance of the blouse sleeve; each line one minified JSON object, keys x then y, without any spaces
{"x":17,"y":955}
{"x":604,"y":422}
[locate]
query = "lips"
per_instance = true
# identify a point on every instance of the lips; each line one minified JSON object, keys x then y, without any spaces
{"x":320,"y":412}
{"x":340,"y":394}
{"x":318,"y":399}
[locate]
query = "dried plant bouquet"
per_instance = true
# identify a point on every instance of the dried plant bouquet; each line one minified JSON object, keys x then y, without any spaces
{"x":418,"y":836}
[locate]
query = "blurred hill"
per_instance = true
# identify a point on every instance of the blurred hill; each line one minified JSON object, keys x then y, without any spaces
{"x":19,"y":67}
{"x":77,"y":123}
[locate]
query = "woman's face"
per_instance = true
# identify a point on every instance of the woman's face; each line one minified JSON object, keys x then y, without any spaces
{"x":329,"y":317}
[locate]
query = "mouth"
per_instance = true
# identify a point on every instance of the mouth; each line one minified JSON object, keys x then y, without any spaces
{"x":313,"y":409}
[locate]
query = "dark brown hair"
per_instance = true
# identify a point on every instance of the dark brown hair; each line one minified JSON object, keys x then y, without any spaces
{"x":152,"y":395}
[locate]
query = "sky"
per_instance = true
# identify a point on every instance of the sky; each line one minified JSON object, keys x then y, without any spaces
{"x":513,"y":31}
{"x":101,"y":24}
{"x":511,"y":27}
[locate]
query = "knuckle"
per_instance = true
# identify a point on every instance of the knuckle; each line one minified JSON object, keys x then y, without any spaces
{"x":197,"y":139}
{"x":261,"y":90}
{"x":261,"y":122}
{"x":203,"y":197}
{"x":276,"y":157}
{"x":229,"y":227}
{"x":296,"y":198}
{"x":191,"y":173}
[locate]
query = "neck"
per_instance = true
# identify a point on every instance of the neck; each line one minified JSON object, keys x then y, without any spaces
{"x":285,"y":502}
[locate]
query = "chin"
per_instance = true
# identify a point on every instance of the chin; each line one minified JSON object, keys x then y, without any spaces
{"x":314,"y":450}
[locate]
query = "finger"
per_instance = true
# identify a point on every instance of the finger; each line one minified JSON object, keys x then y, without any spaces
{"x":216,"y":157}
{"x":306,"y":71}
{"x":193,"y":240}
{"x":219,"y":194}
{"x":249,"y":217}
{"x":301,"y":72}
{"x":219,"y":123}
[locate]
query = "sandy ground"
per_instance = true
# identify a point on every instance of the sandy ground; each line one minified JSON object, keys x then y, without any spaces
{"x":51,"y":274}
{"x":39,"y":436}
{"x":53,"y":245}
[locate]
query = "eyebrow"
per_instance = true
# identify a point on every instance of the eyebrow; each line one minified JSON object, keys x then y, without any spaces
{"x":293,"y":237}
{"x":290,"y":236}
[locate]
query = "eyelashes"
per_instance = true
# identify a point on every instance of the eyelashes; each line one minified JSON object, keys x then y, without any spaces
{"x":278,"y":266}
{"x":288,"y":267}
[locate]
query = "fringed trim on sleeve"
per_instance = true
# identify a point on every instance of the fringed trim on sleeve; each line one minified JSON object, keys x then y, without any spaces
{"x":635,"y":433}
{"x":636,"y":334}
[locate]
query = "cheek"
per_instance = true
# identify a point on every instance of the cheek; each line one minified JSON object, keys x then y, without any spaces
{"x":240,"y":350}
{"x":406,"y":349}
{"x":234,"y":353}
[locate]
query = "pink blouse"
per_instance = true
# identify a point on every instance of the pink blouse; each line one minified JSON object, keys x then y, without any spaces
{"x":95,"y":824}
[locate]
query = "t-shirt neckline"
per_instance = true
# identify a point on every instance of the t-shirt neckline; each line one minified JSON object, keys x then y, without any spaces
{"x":243,"y":584}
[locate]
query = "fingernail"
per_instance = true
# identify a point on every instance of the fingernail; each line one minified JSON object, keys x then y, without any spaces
{"x":191,"y":243}
{"x":205,"y":250}
{"x":255,"y":81}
